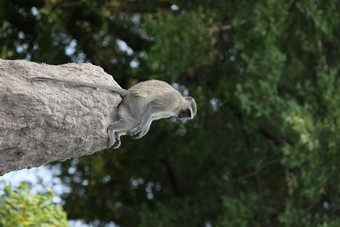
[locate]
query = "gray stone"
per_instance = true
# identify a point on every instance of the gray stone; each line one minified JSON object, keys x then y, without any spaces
{"x":42,"y":122}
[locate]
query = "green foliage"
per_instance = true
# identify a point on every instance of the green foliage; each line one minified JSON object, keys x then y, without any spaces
{"x":243,"y":210}
{"x":165,"y":215}
{"x":264,"y":147}
{"x":20,"y":208}
{"x":188,"y":48}
{"x":292,"y":216}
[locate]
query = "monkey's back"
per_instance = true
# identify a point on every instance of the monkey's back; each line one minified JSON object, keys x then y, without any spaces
{"x":162,"y":95}
{"x":153,"y":89}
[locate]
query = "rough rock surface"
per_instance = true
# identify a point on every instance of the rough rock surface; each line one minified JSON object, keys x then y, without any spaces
{"x":42,"y":122}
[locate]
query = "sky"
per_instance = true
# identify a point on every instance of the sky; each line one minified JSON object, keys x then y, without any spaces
{"x":38,"y":178}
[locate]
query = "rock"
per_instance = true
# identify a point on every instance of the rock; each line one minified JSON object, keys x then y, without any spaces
{"x":42,"y":122}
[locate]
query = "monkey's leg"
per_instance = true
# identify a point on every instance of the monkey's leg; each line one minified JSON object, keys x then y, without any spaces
{"x":143,"y":131}
{"x":118,"y":142}
{"x":112,"y":135}
{"x":144,"y":124}
{"x":117,"y":130}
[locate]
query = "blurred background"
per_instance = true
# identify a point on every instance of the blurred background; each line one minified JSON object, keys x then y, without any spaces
{"x":263,"y":148}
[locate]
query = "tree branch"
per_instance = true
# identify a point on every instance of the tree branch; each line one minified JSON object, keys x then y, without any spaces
{"x":178,"y":190}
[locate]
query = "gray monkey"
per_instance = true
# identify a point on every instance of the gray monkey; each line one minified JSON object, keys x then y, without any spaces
{"x":142,"y":103}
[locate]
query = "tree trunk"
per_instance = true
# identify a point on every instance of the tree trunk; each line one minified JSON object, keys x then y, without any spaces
{"x":42,"y":122}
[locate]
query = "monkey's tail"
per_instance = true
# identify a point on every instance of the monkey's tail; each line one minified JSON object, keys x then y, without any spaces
{"x":116,"y":89}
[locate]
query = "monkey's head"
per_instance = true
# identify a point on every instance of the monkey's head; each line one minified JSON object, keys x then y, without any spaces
{"x":188,"y":108}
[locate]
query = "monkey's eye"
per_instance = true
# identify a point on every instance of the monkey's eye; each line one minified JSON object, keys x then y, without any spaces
{"x":184,"y":114}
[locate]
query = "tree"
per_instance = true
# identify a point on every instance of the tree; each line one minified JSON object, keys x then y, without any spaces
{"x":263,"y":148}
{"x":20,"y":208}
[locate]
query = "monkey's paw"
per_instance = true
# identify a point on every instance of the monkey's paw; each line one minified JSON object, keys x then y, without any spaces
{"x":116,"y":145}
{"x":138,"y":135}
{"x":134,"y":135}
{"x":135,"y":131}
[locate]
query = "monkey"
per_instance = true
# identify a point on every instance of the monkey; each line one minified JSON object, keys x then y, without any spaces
{"x":141,"y":104}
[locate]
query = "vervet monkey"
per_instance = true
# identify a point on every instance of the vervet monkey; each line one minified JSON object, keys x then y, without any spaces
{"x":141,"y":104}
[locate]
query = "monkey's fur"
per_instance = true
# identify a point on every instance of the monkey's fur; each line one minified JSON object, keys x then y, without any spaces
{"x":142,"y":103}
